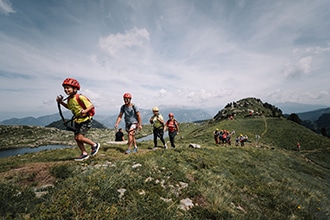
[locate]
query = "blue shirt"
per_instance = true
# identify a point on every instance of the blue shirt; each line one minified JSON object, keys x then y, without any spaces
{"x":130,"y":113}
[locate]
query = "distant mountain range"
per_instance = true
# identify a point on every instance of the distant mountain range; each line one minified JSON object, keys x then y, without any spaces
{"x":314,"y":120}
{"x":181,"y":115}
{"x":293,"y":107}
{"x":313,"y":115}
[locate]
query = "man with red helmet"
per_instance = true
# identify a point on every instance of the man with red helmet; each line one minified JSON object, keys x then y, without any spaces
{"x":83,"y":120}
{"x":133,"y":121}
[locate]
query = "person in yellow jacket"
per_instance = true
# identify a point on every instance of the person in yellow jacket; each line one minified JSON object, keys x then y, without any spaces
{"x":157,"y":122}
{"x":83,"y":120}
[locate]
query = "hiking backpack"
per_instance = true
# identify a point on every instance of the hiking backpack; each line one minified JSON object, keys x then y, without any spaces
{"x":92,"y":111}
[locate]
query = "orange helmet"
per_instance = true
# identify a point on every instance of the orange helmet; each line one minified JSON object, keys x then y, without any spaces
{"x":170,"y":115}
{"x":127,"y":96}
{"x":71,"y":82}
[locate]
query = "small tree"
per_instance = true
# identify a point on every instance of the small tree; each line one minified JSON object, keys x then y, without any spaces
{"x":295,"y":118}
{"x":324,"y":132}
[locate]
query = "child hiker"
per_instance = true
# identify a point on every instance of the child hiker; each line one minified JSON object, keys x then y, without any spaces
{"x":133,"y":121}
{"x":82,"y":117}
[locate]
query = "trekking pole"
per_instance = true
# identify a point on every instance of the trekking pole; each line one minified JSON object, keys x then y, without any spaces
{"x":65,"y":123}
{"x":59,"y":108}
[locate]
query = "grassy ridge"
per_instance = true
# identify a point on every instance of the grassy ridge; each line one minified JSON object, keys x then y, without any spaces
{"x":223,"y":182}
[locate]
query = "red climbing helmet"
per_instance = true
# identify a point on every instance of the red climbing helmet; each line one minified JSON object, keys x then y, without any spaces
{"x":170,"y":115}
{"x":127,"y":96}
{"x":71,"y":82}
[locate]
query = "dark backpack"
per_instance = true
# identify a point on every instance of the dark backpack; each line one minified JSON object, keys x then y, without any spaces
{"x":91,"y":112}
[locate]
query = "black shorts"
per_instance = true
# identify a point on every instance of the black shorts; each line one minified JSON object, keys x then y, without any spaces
{"x":132,"y":127}
{"x":159,"y":132}
{"x":82,"y":128}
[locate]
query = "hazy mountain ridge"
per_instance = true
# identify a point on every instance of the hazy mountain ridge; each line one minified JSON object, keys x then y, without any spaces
{"x":181,"y":114}
{"x":185,"y":114}
{"x":294,"y":107}
{"x":313,"y":115}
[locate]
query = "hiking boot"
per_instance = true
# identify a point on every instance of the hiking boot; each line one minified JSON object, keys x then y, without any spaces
{"x":135,"y":149}
{"x":154,"y":148}
{"x":128,"y":151}
{"x":165,"y":146}
{"x":82,"y":157}
{"x":95,"y":149}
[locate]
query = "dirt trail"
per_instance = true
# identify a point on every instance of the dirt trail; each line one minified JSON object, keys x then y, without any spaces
{"x":266,"y":126}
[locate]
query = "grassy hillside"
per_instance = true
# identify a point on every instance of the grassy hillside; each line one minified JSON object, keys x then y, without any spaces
{"x":272,"y":181}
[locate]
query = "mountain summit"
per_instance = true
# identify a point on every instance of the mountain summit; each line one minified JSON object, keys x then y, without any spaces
{"x":248,"y":107}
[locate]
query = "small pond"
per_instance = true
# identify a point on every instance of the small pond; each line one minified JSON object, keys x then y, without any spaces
{"x":19,"y":151}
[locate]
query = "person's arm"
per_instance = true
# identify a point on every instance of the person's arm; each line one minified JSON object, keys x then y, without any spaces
{"x":151,"y":120}
{"x":85,"y":111}
{"x":177,"y":126}
{"x":118,"y":119}
{"x":160,"y":119}
{"x":86,"y":103}
{"x":165,"y":126}
{"x":59,"y":99}
{"x":139,"y":120}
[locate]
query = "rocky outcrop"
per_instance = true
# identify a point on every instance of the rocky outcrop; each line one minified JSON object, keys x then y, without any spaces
{"x":248,"y":107}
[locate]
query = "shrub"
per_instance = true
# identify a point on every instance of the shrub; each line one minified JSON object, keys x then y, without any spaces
{"x":15,"y":202}
{"x":62,"y":171}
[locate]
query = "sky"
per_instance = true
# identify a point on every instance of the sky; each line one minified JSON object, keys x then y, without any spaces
{"x":182,"y":53}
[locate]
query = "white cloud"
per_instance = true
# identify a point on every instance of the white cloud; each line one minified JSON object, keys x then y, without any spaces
{"x":191,"y":53}
{"x":297,"y":68}
{"x":6,"y":7}
{"x":115,"y":44}
{"x":162,"y":92}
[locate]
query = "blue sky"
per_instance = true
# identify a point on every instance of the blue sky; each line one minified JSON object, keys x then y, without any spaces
{"x":192,"y":53}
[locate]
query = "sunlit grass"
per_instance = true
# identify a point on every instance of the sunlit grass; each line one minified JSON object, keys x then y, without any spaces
{"x":224,"y":182}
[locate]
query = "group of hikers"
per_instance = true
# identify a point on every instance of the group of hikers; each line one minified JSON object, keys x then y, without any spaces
{"x":83,"y":112}
{"x":224,"y":137}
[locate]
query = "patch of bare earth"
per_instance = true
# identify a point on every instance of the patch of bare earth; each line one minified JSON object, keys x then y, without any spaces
{"x":32,"y":174}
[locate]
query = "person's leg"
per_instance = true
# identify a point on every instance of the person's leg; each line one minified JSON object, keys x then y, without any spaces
{"x":131,"y":137}
{"x":171,"y":136}
{"x":83,"y":129}
{"x":134,"y":139}
{"x":155,"y":137}
{"x":161,"y":136}
{"x":79,"y":139}
{"x":174,"y":135}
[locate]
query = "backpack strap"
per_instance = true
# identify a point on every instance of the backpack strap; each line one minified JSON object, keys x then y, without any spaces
{"x":133,"y":106}
{"x":175,"y":124}
{"x":82,"y":104}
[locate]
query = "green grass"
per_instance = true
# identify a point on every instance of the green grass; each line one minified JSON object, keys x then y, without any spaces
{"x":224,"y":182}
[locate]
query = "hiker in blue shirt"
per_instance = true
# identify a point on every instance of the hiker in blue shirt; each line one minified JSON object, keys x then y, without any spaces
{"x":133,"y":121}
